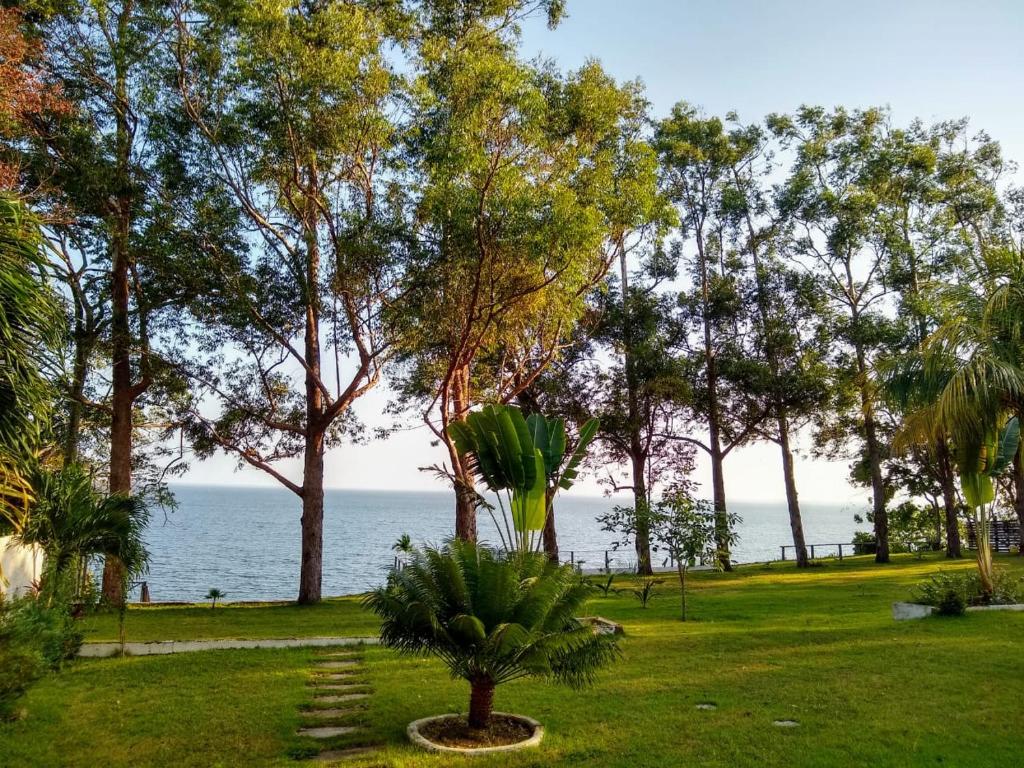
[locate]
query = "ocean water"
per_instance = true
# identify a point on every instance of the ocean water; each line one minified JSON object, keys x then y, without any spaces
{"x":245,"y":540}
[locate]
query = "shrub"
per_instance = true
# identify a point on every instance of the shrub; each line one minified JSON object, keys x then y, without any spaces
{"x":946,"y":590}
{"x":49,"y":629}
{"x":491,"y":618}
{"x":20,"y":662}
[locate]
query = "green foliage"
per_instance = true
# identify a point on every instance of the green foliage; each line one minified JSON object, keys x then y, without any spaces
{"x":34,"y":636}
{"x":604,"y":584}
{"x":643,"y":588}
{"x":491,"y":617}
{"x":31,"y":326}
{"x":523,"y":457}
{"x":214,"y":595}
{"x":73,"y":522}
{"x":948,"y":589}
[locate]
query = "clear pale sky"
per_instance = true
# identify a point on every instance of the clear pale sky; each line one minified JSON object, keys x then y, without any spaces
{"x":933,"y":59}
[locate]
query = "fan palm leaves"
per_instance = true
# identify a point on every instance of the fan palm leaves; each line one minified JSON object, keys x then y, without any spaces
{"x":524,"y":458}
{"x":491,"y":617}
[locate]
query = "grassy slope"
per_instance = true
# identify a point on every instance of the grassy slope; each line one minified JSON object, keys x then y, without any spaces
{"x":818,"y":647}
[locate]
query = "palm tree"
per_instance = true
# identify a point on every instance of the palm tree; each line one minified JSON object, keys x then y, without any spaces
{"x":491,"y":617}
{"x":215,"y":595}
{"x":968,"y":383}
{"x":72,"y":522}
{"x":31,"y":324}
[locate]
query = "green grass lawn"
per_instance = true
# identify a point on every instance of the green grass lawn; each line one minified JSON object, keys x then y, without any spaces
{"x":333,"y":617}
{"x":765,"y":643}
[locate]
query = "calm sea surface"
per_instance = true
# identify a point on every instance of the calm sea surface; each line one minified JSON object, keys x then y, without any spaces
{"x":245,"y":541}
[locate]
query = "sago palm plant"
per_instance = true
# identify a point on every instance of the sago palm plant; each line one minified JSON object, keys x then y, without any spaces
{"x":491,"y":617}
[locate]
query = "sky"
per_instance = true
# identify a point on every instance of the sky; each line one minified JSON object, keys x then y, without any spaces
{"x":931,"y":59}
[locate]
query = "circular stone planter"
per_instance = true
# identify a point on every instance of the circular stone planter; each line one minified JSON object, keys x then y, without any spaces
{"x":417,"y":738}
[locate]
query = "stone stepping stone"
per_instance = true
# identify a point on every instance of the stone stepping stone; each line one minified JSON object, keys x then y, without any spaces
{"x":786,"y":724}
{"x":328,"y":731}
{"x":707,"y":706}
{"x":337,"y":664}
{"x":342,"y":687}
{"x":333,"y":677}
{"x":340,"y":655}
{"x":334,"y":755}
{"x":325,"y":714}
{"x":341,"y":698}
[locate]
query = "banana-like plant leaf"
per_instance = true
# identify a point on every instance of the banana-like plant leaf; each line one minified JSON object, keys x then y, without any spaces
{"x":1009,"y":441}
{"x":977,"y":488}
{"x":538,"y":426}
{"x":510,"y":451}
{"x":587,"y":434}
{"x":556,"y":445}
{"x":526,"y":445}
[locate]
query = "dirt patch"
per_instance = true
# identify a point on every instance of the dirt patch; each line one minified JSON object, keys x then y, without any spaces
{"x":455,"y":732}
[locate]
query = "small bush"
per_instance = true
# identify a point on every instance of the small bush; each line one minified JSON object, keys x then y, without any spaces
{"x":951,"y":603}
{"x":945,"y":590}
{"x":20,"y":663}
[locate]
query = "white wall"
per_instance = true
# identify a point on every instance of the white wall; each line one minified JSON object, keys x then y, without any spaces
{"x":19,"y":567}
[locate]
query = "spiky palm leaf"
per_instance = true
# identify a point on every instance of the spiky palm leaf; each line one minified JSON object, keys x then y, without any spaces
{"x":491,"y":616}
{"x":69,"y":519}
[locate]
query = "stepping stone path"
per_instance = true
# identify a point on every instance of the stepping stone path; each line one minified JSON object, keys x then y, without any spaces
{"x":786,"y":724}
{"x":707,"y":706}
{"x":335,"y":681}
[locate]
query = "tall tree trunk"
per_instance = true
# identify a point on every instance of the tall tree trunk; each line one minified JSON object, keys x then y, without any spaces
{"x":76,"y":393}
{"x":796,"y":524}
{"x":637,"y":454}
{"x":550,"y":536}
{"x":874,"y":455}
{"x":947,"y":479}
{"x":1018,"y":496}
{"x":713,"y":416}
{"x":465,"y":482}
{"x":311,"y":565}
{"x":642,"y":507}
{"x":481,"y":702}
{"x":123,"y":392}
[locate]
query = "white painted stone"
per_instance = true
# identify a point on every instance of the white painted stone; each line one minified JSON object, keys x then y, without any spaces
{"x":161,"y":647}
{"x":786,"y":724}
{"x":908,"y":611}
{"x":707,"y":707}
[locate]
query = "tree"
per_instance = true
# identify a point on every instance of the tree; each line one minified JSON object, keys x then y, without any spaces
{"x":526,"y":181}
{"x":98,"y":180}
{"x":491,"y":619}
{"x":214,"y":595}
{"x":832,"y":203}
{"x":697,"y":159}
{"x":688,"y":530}
{"x":291,"y":107}
{"x":785,"y":369}
{"x":72,"y":523}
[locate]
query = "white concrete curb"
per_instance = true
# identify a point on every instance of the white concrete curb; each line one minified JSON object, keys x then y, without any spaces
{"x":162,"y":647}
{"x":417,"y":738}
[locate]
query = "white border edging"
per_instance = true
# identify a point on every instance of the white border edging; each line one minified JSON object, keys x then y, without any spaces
{"x":413,"y":731}
{"x":163,"y":647}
